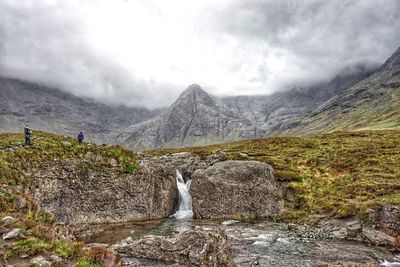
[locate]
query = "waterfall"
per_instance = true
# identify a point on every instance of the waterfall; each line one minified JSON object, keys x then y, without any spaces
{"x":185,"y":199}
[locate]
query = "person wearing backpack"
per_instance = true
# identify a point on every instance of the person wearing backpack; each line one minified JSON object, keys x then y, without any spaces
{"x":28,"y":133}
{"x":80,"y":138}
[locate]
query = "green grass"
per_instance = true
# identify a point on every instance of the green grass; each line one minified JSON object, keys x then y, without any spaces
{"x":385,"y":125}
{"x":378,"y":110}
{"x":30,"y":246}
{"x":337,"y":173}
{"x":87,"y":263}
{"x":16,"y":164}
{"x":16,"y":161}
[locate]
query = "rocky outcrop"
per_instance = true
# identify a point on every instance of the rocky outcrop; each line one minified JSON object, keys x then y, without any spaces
{"x":235,"y":190}
{"x":187,"y":163}
{"x":192,"y":248}
{"x":384,"y":225}
{"x":81,"y":191}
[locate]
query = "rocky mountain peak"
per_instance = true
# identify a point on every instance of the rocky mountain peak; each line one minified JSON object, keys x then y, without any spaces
{"x":393,"y":62}
{"x":194,"y":95}
{"x":194,"y":91}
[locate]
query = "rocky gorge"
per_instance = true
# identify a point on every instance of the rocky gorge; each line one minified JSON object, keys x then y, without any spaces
{"x":120,"y":204}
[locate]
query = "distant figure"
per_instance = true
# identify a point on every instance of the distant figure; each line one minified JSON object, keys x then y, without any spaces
{"x":80,"y":137}
{"x":27,"y":135}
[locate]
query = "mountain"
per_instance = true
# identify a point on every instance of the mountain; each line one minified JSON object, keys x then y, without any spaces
{"x":273,"y":113}
{"x":194,"y":118}
{"x":373,"y":103}
{"x":357,"y":98}
{"x":50,"y":109}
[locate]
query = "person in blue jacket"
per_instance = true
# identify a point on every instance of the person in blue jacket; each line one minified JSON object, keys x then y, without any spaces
{"x":27,"y":132}
{"x":80,"y":137}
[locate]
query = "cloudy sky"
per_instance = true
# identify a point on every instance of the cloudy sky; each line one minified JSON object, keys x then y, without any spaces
{"x":145,"y":52}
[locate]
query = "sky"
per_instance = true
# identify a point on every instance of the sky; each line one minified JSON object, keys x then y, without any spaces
{"x":144,"y":53}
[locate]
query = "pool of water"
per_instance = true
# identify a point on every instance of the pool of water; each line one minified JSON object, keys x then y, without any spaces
{"x":259,"y":243}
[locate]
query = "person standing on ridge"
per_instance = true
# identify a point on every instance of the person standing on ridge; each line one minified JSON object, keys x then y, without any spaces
{"x":80,"y":138}
{"x":27,"y":135}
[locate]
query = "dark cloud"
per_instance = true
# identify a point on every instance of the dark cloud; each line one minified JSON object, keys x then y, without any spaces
{"x":322,"y":36}
{"x":230,"y":47}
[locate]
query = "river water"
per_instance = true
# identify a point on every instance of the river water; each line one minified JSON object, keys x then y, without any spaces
{"x":260,"y":243}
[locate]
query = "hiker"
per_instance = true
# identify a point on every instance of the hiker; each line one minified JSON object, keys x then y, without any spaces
{"x":27,"y":135}
{"x":80,"y":137}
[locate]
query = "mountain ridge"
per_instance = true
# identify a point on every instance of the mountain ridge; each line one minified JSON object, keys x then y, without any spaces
{"x":195,"y":117}
{"x":50,"y":109}
{"x":356,"y":98}
{"x":373,"y":103}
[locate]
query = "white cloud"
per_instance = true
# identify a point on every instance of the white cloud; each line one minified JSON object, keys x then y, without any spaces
{"x":144,"y":53}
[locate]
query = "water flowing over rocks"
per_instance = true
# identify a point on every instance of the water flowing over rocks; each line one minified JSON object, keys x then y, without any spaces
{"x":185,"y":198}
{"x":191,"y":248}
{"x":235,"y":190}
{"x":74,"y":191}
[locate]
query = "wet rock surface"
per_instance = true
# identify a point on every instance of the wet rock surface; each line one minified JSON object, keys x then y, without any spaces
{"x":234,"y":190}
{"x":78,"y":191}
{"x":349,"y":229}
{"x":190,"y":248}
{"x":275,"y":245}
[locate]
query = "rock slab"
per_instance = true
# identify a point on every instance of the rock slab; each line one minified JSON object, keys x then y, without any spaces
{"x":79,"y":191}
{"x":191,"y":248}
{"x":235,"y":190}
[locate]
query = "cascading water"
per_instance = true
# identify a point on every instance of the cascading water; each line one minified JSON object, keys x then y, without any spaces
{"x":185,"y":199}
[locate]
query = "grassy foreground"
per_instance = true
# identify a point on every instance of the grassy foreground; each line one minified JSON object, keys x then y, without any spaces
{"x":338,"y":174}
{"x":39,"y":234}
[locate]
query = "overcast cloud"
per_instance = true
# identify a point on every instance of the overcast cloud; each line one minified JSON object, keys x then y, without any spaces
{"x":145,"y":52}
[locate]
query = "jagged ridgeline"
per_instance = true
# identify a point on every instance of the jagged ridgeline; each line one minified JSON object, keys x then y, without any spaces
{"x":359,"y":97}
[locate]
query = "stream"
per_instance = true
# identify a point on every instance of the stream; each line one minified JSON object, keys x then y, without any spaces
{"x":259,"y":243}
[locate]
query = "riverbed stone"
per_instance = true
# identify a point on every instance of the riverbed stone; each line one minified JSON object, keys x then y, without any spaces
{"x":235,"y":190}
{"x":8,"y":220}
{"x":55,"y":258}
{"x":191,"y":248}
{"x":14,"y":233}
{"x":379,"y":238}
{"x":40,"y":261}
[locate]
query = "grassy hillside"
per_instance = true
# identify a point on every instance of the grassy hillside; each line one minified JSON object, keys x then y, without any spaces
{"x":371,"y":104}
{"x":39,"y":234}
{"x":367,"y":108}
{"x":337,"y":174}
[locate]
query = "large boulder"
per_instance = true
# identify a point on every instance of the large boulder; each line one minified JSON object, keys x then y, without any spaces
{"x":84,"y":191}
{"x":235,"y":190}
{"x":191,"y":248}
